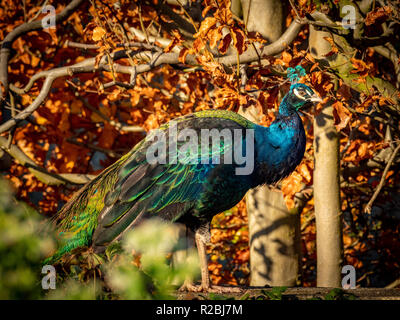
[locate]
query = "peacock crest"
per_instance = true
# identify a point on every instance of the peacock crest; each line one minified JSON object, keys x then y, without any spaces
{"x":296,"y":73}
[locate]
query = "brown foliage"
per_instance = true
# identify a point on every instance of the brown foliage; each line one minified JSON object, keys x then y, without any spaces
{"x":81,"y":110}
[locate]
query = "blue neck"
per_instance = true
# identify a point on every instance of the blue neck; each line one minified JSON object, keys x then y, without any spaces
{"x":282,"y":142}
{"x":284,"y":108}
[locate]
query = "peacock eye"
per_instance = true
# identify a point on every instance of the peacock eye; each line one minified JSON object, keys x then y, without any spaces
{"x":300,"y":93}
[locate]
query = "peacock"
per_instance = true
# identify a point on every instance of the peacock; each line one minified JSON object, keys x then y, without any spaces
{"x":169,"y":177}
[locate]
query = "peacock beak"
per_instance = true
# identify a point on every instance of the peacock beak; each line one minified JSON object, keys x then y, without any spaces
{"x":315,"y":98}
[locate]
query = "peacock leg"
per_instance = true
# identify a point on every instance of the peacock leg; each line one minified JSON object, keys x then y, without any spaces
{"x":202,"y":237}
{"x":188,"y":284}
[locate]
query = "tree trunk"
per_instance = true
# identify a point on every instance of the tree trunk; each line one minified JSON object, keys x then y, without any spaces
{"x":326,"y":184}
{"x":327,"y":200}
{"x":274,"y":231}
{"x":265,"y":16}
{"x":274,"y":239}
{"x":274,"y":234}
{"x":236,"y":7}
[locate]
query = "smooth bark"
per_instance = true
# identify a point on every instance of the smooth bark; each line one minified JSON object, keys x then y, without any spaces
{"x":326,"y":183}
{"x":274,"y":231}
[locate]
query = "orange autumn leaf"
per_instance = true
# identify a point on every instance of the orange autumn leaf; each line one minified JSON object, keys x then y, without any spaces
{"x":34,"y":61}
{"x":334,"y":48}
{"x":177,"y":40}
{"x":314,"y":66}
{"x":311,"y":59}
{"x":362,"y":150}
{"x":316,"y":77}
{"x":26,"y":99}
{"x":243,"y":256}
{"x":69,"y":165}
{"x":224,"y":44}
{"x":341,"y":114}
{"x":239,"y":42}
{"x":198,"y":44}
{"x":98,"y":33}
{"x":292,"y":184}
{"x":182,"y":55}
{"x":207,"y":24}
{"x":64,"y":124}
{"x":360,"y":67}
{"x":53,"y":34}
{"x":95,"y":117}
{"x":289,"y":201}
{"x":41,"y":120}
{"x":304,"y":171}
{"x":76,"y":106}
{"x":286,"y":57}
{"x":378,"y":15}
{"x":206,"y":9}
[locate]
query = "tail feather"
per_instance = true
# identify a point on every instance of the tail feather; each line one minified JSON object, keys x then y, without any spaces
{"x":76,"y":221}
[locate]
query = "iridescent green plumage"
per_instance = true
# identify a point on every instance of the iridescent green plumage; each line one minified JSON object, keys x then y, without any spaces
{"x":78,"y":218}
{"x":131,"y":188}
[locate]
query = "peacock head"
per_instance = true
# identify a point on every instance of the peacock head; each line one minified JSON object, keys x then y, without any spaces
{"x":300,"y":95}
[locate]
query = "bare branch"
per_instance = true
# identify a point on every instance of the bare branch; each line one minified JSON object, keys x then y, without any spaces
{"x":87,"y":65}
{"x":19,"y":31}
{"x":29,"y":110}
{"x":383,"y":179}
{"x":156,"y":60}
{"x":41,"y":173}
{"x":119,"y":126}
{"x":84,"y":46}
{"x":294,"y":9}
{"x":141,"y":36}
{"x":272,"y":49}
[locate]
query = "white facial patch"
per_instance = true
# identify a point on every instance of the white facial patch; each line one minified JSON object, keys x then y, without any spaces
{"x":298,"y":95}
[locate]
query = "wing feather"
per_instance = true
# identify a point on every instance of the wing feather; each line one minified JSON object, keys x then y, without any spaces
{"x":145,"y":190}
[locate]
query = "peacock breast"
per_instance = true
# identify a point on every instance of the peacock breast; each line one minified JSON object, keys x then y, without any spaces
{"x":280,"y":148}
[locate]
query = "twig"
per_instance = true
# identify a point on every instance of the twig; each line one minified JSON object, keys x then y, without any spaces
{"x":85,"y":46}
{"x":139,"y":45}
{"x":119,"y":126}
{"x":186,"y":28}
{"x":294,"y":9}
{"x":394,"y":284}
{"x":243,"y":77}
{"x":13,"y":113}
{"x":152,"y":40}
{"x":382,"y":182}
{"x":308,"y":221}
{"x":91,"y":146}
{"x":188,"y":16}
{"x":142,"y":25}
